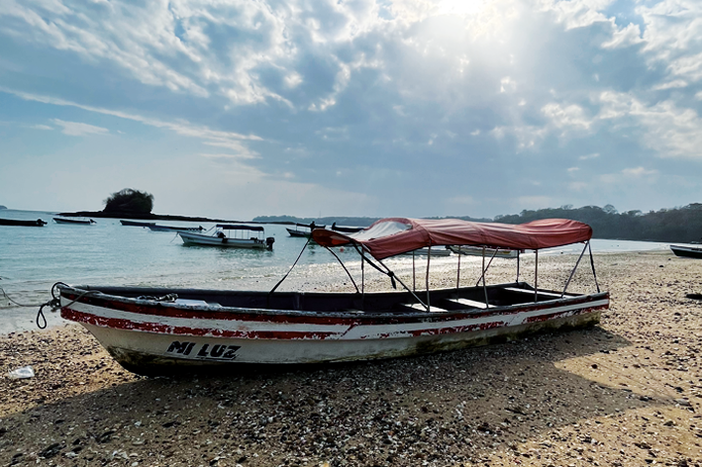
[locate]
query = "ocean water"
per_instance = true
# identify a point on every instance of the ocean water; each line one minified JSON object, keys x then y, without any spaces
{"x":107,"y":253}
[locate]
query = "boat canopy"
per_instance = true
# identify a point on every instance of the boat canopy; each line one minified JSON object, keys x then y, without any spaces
{"x":396,"y":235}
{"x":255,"y":228}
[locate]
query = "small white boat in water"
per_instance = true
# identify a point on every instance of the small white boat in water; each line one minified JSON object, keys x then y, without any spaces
{"x":482,"y":251}
{"x":230,"y":236}
{"x":164,"y":330}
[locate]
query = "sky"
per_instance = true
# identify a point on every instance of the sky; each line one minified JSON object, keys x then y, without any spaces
{"x":380,"y":108}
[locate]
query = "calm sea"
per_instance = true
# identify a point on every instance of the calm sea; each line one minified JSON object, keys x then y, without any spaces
{"x":107,"y":253}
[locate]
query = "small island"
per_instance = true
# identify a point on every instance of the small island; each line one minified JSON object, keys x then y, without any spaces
{"x":2,"y":207}
{"x":134,"y":204}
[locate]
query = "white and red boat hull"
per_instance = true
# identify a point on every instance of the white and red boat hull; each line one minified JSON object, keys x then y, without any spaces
{"x":148,"y":336}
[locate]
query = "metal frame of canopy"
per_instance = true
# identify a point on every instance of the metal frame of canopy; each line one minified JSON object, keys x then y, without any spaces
{"x":364,"y":251}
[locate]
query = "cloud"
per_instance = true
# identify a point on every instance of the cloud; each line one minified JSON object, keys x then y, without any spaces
{"x":589,"y":156}
{"x":79,"y":129}
{"x":633,"y":173}
{"x":535,"y":202}
{"x":462,"y":200}
{"x":666,"y":128}
{"x":566,"y":116}
{"x":638,"y":172}
{"x":373,"y":97}
{"x":42,"y":127}
{"x":214,"y":137}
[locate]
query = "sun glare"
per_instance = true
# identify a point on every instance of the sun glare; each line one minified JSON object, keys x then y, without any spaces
{"x":459,"y":7}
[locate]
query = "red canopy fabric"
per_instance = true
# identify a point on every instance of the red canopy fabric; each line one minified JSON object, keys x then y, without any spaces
{"x":394,"y":236}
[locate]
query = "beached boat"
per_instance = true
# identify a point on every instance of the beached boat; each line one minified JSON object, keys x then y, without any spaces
{"x":686,"y":251}
{"x":230,"y":236}
{"x":23,"y":223}
{"x":76,"y":221}
{"x":136,"y":223}
{"x":163,"y":330}
{"x":171,"y":228}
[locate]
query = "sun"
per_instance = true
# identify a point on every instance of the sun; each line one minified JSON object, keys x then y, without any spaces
{"x":459,"y":7}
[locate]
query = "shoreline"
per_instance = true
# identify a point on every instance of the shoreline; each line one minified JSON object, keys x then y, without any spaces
{"x":627,"y":392}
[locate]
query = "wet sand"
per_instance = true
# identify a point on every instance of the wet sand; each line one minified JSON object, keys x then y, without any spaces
{"x":626,"y":393}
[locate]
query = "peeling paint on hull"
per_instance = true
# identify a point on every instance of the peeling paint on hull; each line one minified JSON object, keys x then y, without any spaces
{"x":151,"y":363}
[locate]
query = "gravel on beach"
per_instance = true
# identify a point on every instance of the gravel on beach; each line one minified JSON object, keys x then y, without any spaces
{"x":627,"y":392}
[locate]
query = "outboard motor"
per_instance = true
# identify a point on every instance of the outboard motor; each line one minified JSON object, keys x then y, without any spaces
{"x":269,"y":242}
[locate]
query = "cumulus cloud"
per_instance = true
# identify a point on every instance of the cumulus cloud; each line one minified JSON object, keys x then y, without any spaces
{"x":666,"y":128}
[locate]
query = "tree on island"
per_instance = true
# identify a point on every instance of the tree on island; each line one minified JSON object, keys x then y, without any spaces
{"x":129,"y":200}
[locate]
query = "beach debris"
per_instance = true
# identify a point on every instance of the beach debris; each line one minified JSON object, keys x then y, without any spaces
{"x":51,"y":451}
{"x":21,"y":373}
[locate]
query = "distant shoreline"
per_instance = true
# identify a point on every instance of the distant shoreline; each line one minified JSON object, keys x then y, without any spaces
{"x":159,"y":217}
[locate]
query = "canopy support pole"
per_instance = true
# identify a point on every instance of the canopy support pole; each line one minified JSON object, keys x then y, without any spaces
{"x":458,"y":274}
{"x":572,"y":273}
{"x":483,"y":276}
{"x":394,"y":277}
{"x":519,"y":255}
{"x":426,"y":279}
{"x":344,"y":266}
{"x":592,"y":263}
{"x":536,"y":275}
{"x":363,"y":278}
{"x":414,"y":274}
{"x":289,"y":271}
{"x":485,"y":268}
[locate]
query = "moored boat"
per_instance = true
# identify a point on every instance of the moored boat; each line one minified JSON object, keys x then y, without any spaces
{"x":78,"y":220}
{"x":162,"y":330}
{"x":230,"y":236}
{"x":136,"y":223}
{"x":482,"y":251}
{"x":429,"y":252}
{"x":303,"y":230}
{"x":686,"y":251}
{"x":171,"y":228}
{"x":23,"y":223}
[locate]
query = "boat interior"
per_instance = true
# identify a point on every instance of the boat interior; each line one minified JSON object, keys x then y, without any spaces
{"x":467,"y":299}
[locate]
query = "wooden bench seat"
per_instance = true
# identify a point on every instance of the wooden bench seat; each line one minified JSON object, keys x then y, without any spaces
{"x":540,"y":292}
{"x":420,"y":307}
{"x":465,"y":302}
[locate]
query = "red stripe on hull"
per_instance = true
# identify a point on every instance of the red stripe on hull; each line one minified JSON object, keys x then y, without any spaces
{"x":165,"y":310}
{"x":125,"y":324}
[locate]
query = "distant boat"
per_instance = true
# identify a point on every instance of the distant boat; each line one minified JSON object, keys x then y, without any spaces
{"x":480,"y":251}
{"x":171,"y":228}
{"x":137,"y":223}
{"x":686,"y":251}
{"x":346,"y":229}
{"x":426,"y":252}
{"x":230,"y":236}
{"x":63,"y":220}
{"x":303,"y":230}
{"x":23,"y":223}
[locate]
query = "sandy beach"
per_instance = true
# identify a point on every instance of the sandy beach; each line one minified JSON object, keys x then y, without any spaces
{"x":627,"y":392}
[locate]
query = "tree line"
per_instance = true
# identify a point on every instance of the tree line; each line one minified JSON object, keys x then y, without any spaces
{"x":682,"y":224}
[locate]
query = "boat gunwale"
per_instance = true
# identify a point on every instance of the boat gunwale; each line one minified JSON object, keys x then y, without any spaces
{"x":148,"y":307}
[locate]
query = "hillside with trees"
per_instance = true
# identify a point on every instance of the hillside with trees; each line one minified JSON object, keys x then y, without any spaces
{"x":682,"y":224}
